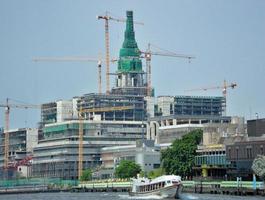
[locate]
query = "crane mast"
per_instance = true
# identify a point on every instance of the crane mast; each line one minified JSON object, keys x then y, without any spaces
{"x":7,"y":107}
{"x":107,"y":56}
{"x":81,"y":144}
{"x":81,"y":130}
{"x":6,"y":153}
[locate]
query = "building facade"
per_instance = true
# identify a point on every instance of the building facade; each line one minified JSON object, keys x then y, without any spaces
{"x":241,"y":154}
{"x":190,"y":105}
{"x":57,"y":154}
{"x":21,"y":144}
{"x":165,"y":129}
{"x":143,"y":153}
{"x":256,"y":127}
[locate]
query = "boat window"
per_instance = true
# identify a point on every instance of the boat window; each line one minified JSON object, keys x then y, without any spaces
{"x":168,"y":181}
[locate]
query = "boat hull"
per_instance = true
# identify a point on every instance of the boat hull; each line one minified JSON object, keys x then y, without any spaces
{"x":166,"y":192}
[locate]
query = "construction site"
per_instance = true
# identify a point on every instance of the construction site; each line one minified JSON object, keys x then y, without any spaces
{"x":80,"y":133}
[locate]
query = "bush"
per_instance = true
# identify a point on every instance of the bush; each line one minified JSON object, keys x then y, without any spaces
{"x":127,"y":169}
{"x":86,"y":175}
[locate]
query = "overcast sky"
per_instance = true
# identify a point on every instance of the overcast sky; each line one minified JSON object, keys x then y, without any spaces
{"x":227,"y":38}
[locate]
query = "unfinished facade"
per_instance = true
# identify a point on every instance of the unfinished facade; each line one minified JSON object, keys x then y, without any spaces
{"x":57,"y":154}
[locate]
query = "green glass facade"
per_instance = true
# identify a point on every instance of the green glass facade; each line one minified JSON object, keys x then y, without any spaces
{"x":211,"y":160}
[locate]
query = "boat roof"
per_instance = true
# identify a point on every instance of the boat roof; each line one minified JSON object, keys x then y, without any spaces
{"x":166,"y":178}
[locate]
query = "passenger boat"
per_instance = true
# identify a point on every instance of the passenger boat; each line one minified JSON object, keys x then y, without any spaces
{"x":166,"y":186}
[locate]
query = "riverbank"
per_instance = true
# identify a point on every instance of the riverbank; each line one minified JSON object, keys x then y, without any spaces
{"x":30,"y":189}
{"x":222,"y":187}
{"x":203,"y":187}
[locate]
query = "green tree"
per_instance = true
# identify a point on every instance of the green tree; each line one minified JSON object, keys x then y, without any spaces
{"x":86,"y":175}
{"x":156,"y":173}
{"x":179,"y":157}
{"x":127,"y":169}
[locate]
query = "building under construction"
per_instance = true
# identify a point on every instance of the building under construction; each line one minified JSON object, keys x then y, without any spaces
{"x":57,"y":154}
{"x":21,"y":144}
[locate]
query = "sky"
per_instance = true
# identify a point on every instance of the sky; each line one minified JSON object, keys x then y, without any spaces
{"x":226,"y":37}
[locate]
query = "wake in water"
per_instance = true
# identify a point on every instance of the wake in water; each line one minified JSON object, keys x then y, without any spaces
{"x":143,"y":197}
{"x":181,"y":196}
{"x":187,"y":197}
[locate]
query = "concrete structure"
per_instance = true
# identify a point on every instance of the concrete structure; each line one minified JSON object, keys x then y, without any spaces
{"x":218,"y":131}
{"x":90,"y":101}
{"x":211,"y":160}
{"x":57,"y":154}
{"x":143,"y":153}
{"x":256,"y":127}
{"x":166,"y":129}
{"x":59,"y":111}
{"x":242,"y":153}
{"x":24,"y":171}
{"x":190,"y":105}
{"x":147,"y":156}
{"x":150,"y":106}
{"x":21,"y":144}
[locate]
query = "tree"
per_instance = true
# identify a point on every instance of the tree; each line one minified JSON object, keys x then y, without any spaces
{"x":179,"y":157}
{"x":127,"y":169}
{"x":86,"y":175}
{"x":156,"y":173}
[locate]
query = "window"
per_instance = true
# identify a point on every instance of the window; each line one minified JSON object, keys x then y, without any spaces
{"x":155,"y":166}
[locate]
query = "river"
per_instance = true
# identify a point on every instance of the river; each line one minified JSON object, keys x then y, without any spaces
{"x":115,"y":196}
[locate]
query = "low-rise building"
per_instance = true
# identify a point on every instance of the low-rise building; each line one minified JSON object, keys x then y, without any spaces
{"x":164,"y":130}
{"x":143,"y":153}
{"x":242,"y":153}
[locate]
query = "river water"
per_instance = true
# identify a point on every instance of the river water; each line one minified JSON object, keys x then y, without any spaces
{"x":116,"y":196}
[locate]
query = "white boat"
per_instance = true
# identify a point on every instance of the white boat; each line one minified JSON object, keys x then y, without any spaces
{"x":167,"y":186}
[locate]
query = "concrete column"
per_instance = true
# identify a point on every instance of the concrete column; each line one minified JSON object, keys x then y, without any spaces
{"x":157,"y":139}
{"x":152,"y":129}
{"x":148,"y":131}
{"x":204,"y":171}
{"x":167,"y":123}
{"x":162,"y":123}
{"x":174,"y":121}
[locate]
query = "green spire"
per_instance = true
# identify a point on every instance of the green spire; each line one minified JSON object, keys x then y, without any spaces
{"x":129,"y":53}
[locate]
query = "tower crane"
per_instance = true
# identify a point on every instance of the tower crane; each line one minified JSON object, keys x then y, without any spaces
{"x":7,"y":107}
{"x":161,"y":52}
{"x":223,"y":87}
{"x":75,"y":59}
{"x":107,"y":17}
{"x":81,"y":129}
